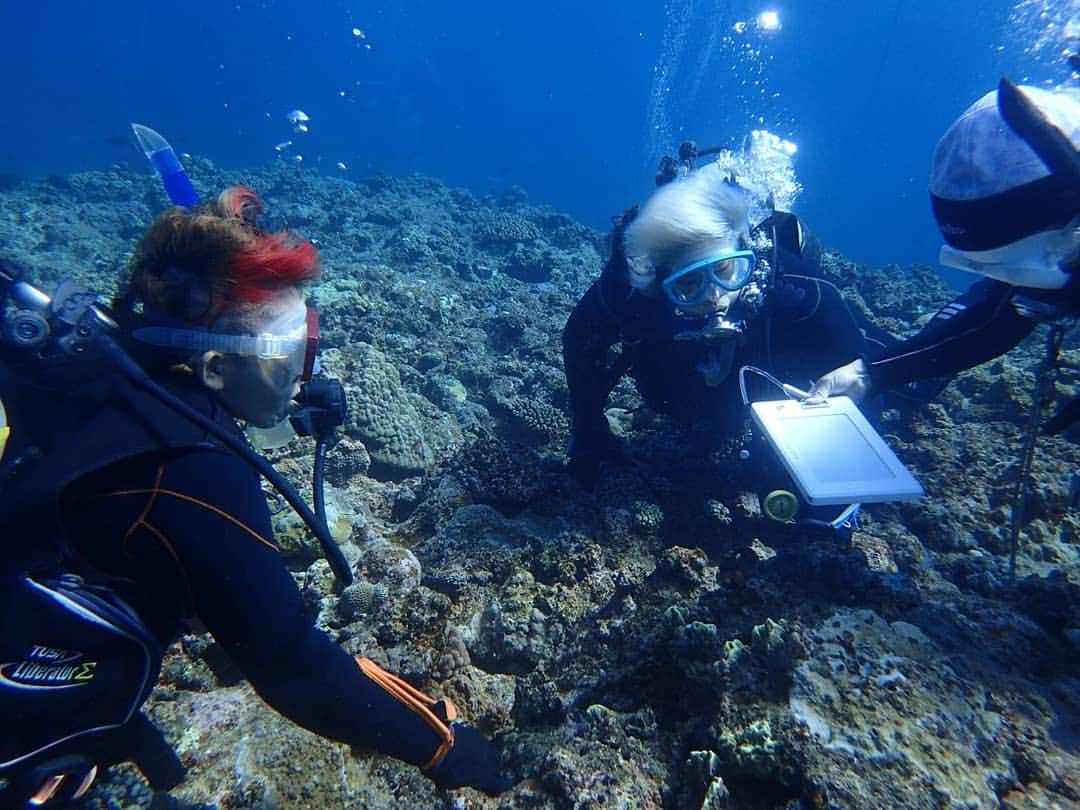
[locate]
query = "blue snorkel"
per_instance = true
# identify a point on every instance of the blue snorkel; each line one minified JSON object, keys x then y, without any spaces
{"x":167,"y":165}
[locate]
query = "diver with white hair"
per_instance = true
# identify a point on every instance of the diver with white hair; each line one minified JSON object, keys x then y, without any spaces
{"x":692,"y":292}
{"x":1005,"y":191}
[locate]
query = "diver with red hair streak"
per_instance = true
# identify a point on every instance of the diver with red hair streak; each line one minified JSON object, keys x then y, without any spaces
{"x":178,"y":526}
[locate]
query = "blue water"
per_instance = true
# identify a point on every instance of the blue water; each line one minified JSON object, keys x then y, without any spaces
{"x":574,"y":101}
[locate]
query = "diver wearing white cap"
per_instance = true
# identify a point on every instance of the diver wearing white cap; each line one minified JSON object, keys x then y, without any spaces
{"x":1005,"y":191}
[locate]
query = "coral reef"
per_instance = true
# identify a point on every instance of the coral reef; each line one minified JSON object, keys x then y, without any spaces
{"x":503,"y":228}
{"x":657,"y":642}
{"x":361,"y":599}
{"x":382,"y":414}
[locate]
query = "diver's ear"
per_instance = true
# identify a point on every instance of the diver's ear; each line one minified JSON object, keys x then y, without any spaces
{"x":211,"y":370}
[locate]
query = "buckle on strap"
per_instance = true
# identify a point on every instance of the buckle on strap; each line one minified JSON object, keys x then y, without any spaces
{"x":419,"y":703}
{"x":1034,"y":309}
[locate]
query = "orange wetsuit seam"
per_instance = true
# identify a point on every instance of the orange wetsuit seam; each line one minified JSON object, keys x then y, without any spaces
{"x":156,"y":490}
{"x":164,"y":540}
{"x":143,"y":522}
{"x":160,"y":535}
{"x":146,"y":509}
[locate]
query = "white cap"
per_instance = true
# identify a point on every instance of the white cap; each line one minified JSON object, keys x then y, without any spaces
{"x":988,"y":186}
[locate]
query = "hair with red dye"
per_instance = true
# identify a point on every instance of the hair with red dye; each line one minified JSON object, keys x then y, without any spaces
{"x":274,"y":262}
{"x":213,"y":262}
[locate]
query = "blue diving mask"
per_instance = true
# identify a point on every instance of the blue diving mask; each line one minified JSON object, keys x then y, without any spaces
{"x":689,"y":285}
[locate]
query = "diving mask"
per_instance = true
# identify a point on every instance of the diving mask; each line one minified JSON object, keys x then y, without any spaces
{"x":730,"y":271}
{"x":297,"y":338}
{"x":1035,"y":261}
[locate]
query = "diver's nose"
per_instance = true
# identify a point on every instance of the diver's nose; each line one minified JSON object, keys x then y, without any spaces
{"x":719,"y":301}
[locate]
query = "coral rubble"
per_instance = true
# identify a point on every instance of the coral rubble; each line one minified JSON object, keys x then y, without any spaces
{"x":649,"y":644}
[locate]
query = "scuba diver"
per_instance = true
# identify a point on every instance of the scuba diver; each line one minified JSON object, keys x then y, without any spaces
{"x":673,"y":168}
{"x":1005,"y":191}
{"x":693,"y":295}
{"x":132,"y":506}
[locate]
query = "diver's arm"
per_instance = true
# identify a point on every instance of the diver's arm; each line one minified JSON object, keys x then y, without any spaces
{"x":976,"y":327}
{"x":589,"y":334}
{"x":594,"y":326}
{"x":207,"y":510}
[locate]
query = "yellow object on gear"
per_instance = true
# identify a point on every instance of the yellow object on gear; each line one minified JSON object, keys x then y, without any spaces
{"x":5,"y":431}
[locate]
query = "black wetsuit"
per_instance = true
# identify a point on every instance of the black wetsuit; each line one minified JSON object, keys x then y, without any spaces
{"x":805,"y":330}
{"x":983,"y":323}
{"x":183,"y":532}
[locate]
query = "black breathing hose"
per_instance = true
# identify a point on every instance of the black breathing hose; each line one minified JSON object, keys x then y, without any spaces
{"x":317,"y":523}
{"x":318,"y":495}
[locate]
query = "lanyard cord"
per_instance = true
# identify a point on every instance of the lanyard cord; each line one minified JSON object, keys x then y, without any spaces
{"x":1042,"y":396}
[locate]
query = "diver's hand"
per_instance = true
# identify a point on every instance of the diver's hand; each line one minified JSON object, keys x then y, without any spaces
{"x":852,"y":380}
{"x":585,"y":469}
{"x":589,"y":450}
{"x":472,"y":762}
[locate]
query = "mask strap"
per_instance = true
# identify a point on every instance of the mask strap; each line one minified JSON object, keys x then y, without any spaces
{"x":311,"y":352}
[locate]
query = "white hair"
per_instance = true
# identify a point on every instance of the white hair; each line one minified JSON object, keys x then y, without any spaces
{"x":700,"y":212}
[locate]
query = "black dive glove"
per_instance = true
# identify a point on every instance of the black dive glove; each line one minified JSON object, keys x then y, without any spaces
{"x":472,"y":762}
{"x":589,"y":449}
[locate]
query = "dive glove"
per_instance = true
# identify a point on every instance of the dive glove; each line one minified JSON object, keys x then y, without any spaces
{"x":472,"y":762}
{"x":464,"y":758}
{"x":589,"y":449}
{"x":852,"y":380}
